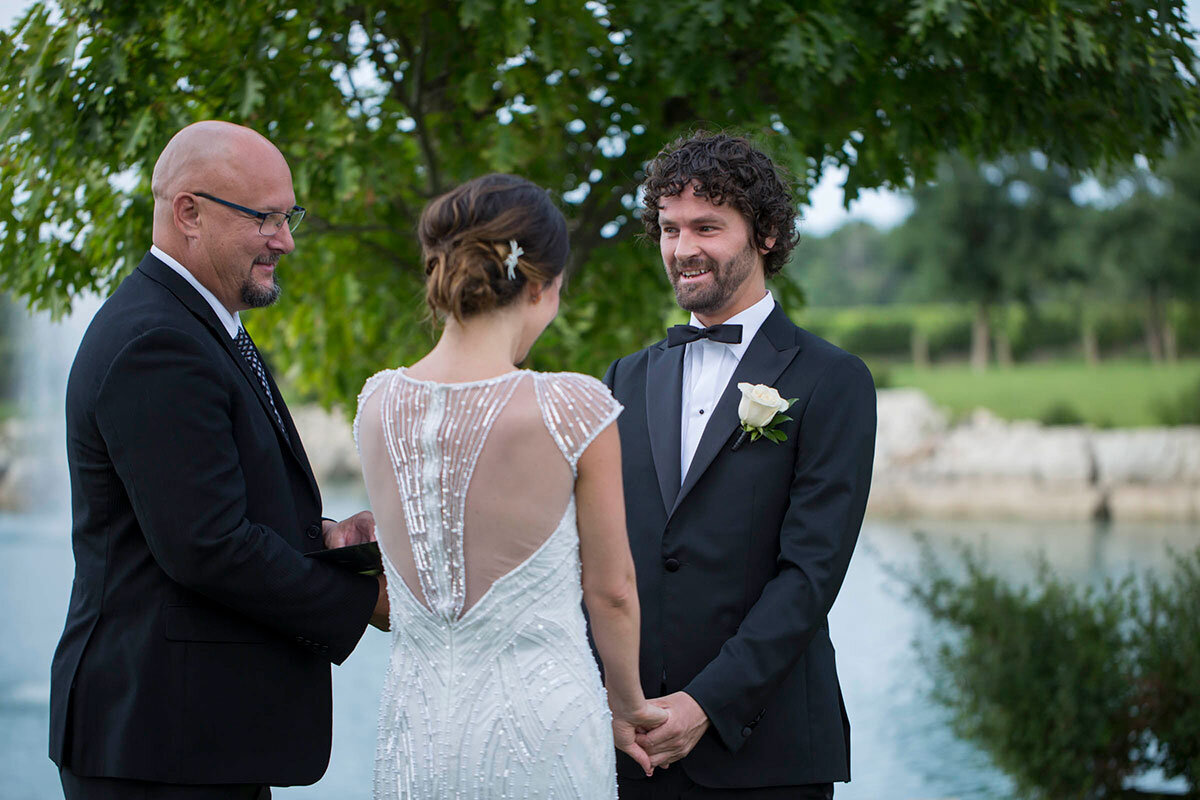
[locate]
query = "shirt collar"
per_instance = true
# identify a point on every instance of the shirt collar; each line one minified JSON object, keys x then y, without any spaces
{"x":751,"y":319}
{"x":231,"y":321}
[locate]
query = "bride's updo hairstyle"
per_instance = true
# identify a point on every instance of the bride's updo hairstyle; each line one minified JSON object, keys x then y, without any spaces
{"x":465,"y":241}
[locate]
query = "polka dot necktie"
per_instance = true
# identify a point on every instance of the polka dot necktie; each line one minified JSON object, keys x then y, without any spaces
{"x":250,"y":353}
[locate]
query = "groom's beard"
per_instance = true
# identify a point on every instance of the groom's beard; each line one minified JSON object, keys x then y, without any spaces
{"x":727,"y":278}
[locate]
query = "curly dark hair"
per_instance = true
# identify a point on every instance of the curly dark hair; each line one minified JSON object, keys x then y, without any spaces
{"x":727,"y":169}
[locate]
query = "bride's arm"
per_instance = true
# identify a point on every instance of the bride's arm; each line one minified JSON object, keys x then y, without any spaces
{"x":610,"y":588}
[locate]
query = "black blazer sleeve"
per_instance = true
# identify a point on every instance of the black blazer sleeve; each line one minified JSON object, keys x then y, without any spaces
{"x":835,"y":444}
{"x":163,"y":410}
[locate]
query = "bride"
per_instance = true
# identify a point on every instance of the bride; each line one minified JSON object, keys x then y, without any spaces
{"x":498,"y":501}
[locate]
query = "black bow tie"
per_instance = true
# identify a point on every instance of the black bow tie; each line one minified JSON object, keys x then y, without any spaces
{"x":682,"y":334}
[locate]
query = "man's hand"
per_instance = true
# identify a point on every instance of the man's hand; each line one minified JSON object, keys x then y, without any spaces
{"x":353,"y":530}
{"x":676,"y":737}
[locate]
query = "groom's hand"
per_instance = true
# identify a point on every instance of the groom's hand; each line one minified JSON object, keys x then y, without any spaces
{"x":353,"y":530}
{"x":676,"y":737}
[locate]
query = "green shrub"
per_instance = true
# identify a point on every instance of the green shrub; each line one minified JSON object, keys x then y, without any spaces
{"x":1039,"y":677}
{"x":1169,"y":667}
{"x":1045,"y":327}
{"x":877,"y":337}
{"x":1061,"y":413}
{"x":1186,"y":319}
{"x":946,"y":328}
{"x":1181,"y":410}
{"x":1070,"y":690}
{"x":881,"y":373}
{"x":1048,"y":326}
{"x":1120,"y":326}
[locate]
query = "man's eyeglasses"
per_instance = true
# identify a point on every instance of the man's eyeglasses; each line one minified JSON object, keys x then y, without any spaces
{"x":269,"y":221}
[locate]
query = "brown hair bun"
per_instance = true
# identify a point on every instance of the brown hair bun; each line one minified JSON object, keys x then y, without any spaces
{"x":465,"y":240}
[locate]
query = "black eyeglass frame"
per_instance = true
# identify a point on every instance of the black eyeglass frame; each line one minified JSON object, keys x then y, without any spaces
{"x":262,"y":216}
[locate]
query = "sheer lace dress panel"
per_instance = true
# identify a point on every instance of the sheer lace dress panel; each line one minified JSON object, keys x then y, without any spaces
{"x":492,"y":689}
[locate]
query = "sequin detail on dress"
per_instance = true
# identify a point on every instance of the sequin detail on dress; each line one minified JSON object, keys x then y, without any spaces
{"x":501,"y":697}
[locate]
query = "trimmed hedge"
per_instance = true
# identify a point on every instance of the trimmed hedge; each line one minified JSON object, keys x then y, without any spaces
{"x":1048,"y":328}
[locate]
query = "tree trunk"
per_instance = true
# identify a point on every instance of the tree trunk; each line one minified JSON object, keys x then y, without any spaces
{"x":1154,"y":326}
{"x":1090,"y":343}
{"x":920,"y":349}
{"x":1170,"y":343}
{"x":980,"y":334}
{"x":1004,"y":356}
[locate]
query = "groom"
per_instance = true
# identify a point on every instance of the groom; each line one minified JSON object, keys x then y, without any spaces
{"x":740,"y":548}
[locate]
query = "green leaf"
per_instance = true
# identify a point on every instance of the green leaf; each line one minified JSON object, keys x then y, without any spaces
{"x":252,"y":94}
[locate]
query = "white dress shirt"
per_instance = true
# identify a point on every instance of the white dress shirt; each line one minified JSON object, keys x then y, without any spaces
{"x":231,"y":321}
{"x":707,"y":369}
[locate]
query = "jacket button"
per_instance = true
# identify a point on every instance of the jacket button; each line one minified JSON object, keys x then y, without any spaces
{"x":746,"y":731}
{"x":314,"y":531}
{"x":671,"y":564}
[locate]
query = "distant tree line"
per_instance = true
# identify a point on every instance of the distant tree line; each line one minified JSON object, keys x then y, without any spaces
{"x":1025,"y":253}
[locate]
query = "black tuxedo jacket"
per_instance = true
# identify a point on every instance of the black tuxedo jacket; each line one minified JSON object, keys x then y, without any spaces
{"x":198,"y":639}
{"x":739,"y":561}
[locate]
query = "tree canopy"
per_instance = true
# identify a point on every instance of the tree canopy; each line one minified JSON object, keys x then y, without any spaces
{"x":381,"y":106}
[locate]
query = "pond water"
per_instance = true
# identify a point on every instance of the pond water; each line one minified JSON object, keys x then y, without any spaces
{"x":902,"y":746}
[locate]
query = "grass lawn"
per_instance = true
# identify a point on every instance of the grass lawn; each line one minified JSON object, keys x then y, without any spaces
{"x":1112,"y":394}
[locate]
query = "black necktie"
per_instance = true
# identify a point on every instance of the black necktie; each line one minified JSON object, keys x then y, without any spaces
{"x":682,"y":334}
{"x":250,"y":353}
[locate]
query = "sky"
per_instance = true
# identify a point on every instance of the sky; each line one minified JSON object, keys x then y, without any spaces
{"x":825,"y":211}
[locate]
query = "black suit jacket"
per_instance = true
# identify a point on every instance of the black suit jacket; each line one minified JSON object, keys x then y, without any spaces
{"x":738,"y":567}
{"x":198,"y":639}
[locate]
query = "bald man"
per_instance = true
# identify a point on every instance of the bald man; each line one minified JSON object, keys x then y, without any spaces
{"x":195,"y":660}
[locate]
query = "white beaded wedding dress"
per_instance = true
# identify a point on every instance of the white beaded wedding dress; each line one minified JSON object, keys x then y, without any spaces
{"x":492,"y":690}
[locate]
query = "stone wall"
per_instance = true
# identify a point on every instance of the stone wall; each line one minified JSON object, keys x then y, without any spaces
{"x":985,"y":467}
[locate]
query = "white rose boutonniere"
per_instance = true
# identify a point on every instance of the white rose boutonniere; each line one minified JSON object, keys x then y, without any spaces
{"x":761,"y":413}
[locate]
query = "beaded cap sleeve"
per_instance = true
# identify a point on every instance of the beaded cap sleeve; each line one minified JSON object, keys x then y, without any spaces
{"x":576,"y":408}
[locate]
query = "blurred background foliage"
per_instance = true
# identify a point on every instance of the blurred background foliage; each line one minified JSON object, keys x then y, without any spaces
{"x":989,"y":111}
{"x":1085,"y":293}
{"x":1072,"y":690}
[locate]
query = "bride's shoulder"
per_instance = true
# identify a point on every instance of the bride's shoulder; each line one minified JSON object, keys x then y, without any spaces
{"x":571,"y":380}
{"x":575,"y":408}
{"x":574,"y":390}
{"x":374,"y":382}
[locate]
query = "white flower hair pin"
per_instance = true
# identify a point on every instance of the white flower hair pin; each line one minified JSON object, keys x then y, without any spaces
{"x":761,"y":413}
{"x":510,"y":260}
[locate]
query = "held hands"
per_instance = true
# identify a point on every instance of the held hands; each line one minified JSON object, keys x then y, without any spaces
{"x":671,"y":741}
{"x":628,"y":726}
{"x":353,"y":530}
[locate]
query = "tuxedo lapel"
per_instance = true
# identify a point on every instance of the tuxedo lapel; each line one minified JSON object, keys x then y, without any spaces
{"x":769,"y":353}
{"x":186,"y":294}
{"x":664,"y":408}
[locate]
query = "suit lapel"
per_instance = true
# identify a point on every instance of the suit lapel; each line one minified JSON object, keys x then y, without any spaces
{"x":664,"y":409}
{"x":186,"y":294}
{"x":769,"y":353}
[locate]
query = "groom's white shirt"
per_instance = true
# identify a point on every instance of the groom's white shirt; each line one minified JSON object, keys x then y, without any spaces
{"x":707,"y":369}
{"x":231,"y":321}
